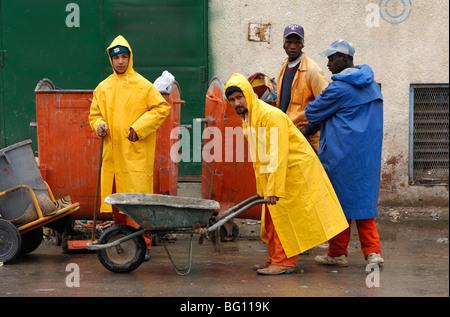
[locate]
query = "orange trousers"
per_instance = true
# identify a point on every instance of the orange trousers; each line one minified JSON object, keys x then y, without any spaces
{"x":275,"y":251}
{"x":368,"y":236}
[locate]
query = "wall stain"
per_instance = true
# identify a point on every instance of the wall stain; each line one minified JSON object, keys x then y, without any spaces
{"x":388,"y":176}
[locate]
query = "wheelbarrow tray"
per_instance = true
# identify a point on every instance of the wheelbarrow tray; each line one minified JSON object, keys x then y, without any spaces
{"x":162,"y":212}
{"x":159,"y":214}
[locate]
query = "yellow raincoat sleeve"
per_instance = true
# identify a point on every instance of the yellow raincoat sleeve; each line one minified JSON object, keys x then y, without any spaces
{"x":277,"y":151}
{"x":95,"y":115}
{"x":149,"y":121}
{"x":259,"y":190}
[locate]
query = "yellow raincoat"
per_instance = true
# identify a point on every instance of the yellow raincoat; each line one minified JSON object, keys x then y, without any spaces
{"x":308,"y":212}
{"x":123,"y":101}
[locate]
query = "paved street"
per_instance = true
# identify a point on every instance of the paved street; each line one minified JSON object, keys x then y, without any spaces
{"x":414,"y":245}
{"x":415,"y":253}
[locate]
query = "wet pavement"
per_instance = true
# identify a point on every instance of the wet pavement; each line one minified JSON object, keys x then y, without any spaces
{"x":415,"y":252}
{"x":414,"y":246}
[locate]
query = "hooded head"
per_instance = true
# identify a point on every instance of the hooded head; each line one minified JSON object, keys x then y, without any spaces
{"x":118,"y":50}
{"x":117,"y":47}
{"x":358,"y":76}
{"x":238,"y":83}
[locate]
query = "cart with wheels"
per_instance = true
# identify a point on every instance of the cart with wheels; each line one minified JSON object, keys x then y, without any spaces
{"x":122,"y":248}
{"x":26,"y":202}
{"x":22,"y":238}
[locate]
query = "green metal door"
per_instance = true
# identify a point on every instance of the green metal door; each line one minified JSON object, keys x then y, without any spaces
{"x":167,"y":35}
{"x":44,"y":39}
{"x":65,"y":41}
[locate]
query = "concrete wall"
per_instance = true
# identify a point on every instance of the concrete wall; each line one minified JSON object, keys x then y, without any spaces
{"x":413,"y":51}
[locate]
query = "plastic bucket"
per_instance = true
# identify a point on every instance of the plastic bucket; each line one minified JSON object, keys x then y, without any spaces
{"x":18,"y":166}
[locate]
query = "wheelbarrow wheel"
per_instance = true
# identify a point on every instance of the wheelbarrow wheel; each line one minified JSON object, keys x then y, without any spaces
{"x":10,"y":241}
{"x":124,"y":257}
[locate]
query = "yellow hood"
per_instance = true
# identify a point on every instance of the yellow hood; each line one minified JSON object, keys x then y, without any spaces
{"x":120,"y":40}
{"x":242,"y":83}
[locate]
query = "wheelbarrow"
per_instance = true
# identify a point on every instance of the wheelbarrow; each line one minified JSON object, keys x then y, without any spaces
{"x":122,"y":249}
{"x":19,"y":236}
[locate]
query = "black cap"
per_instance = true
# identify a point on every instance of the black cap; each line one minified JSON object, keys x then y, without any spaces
{"x":231,"y":90}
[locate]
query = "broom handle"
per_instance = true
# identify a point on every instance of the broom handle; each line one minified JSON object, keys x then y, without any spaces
{"x":94,"y":225}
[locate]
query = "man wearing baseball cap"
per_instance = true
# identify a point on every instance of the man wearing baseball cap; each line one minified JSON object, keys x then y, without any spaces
{"x":340,"y":46}
{"x":300,"y":80}
{"x":350,"y":110}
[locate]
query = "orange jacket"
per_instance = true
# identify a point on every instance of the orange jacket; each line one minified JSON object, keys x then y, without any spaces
{"x":308,"y":83}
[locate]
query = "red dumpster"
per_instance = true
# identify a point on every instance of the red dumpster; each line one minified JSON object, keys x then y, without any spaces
{"x":230,"y":179}
{"x":69,"y":150}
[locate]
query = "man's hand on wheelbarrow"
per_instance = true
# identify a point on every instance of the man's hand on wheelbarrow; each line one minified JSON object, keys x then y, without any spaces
{"x":272,"y":200}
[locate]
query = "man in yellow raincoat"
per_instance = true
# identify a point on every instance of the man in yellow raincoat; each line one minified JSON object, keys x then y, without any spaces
{"x":126,"y":110}
{"x":303,"y":210}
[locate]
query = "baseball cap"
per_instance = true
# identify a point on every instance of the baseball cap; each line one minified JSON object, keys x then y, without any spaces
{"x":118,"y":50}
{"x":340,"y":46}
{"x":294,"y":29}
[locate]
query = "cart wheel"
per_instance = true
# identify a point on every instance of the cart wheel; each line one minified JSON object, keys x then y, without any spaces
{"x":125,"y":257}
{"x":234,"y":233}
{"x":10,"y":241}
{"x":31,"y":240}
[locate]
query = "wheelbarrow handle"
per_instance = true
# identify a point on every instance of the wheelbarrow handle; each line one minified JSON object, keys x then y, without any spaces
{"x":95,"y":245}
{"x":231,"y":215}
{"x":240,"y":205}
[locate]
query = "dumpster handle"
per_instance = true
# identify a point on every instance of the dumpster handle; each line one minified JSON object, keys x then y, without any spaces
{"x":204,"y":120}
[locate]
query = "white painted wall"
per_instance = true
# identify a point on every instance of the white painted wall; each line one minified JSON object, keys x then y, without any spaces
{"x":413,"y":51}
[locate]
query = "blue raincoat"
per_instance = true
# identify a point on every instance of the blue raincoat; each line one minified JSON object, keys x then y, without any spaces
{"x":351,"y":112}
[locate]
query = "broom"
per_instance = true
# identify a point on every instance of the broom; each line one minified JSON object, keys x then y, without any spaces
{"x":97,"y":189}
